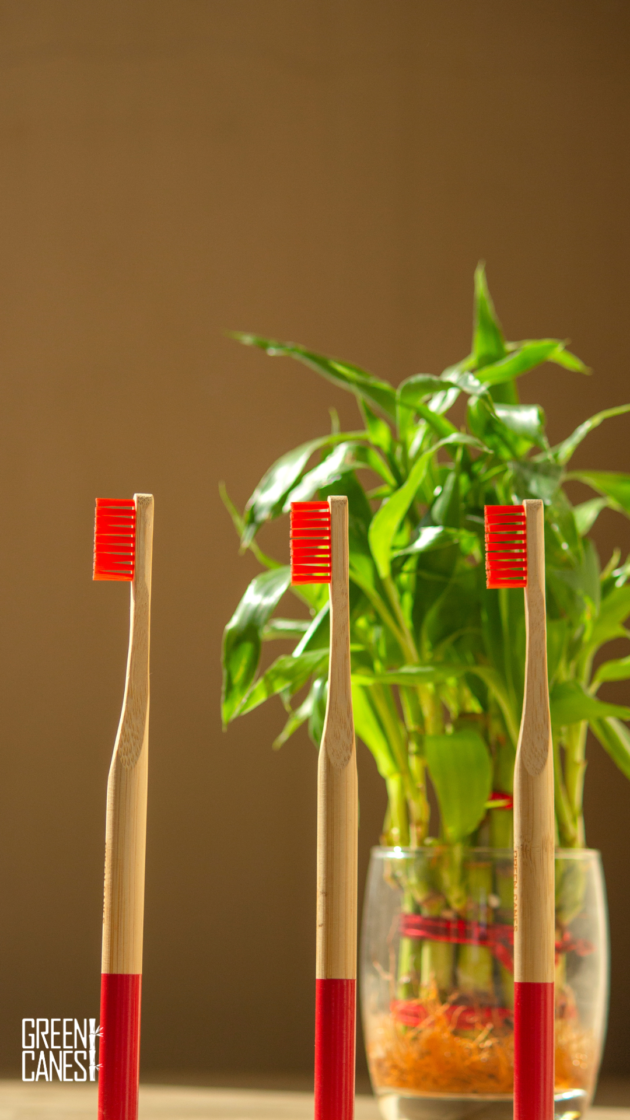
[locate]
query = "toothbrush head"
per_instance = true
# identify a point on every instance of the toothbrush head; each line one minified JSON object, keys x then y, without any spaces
{"x":311,"y":542}
{"x":506,"y":546}
{"x":115,"y":539}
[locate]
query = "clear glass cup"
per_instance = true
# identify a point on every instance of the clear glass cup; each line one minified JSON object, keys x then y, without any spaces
{"x":437,"y":981}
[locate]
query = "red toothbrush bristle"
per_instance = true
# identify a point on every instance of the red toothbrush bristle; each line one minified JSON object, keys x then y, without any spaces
{"x":506,"y":546}
{"x":115,"y":538}
{"x":310,"y":542}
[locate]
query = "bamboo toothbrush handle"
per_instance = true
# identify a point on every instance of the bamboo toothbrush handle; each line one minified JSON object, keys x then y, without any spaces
{"x":534,"y":842}
{"x":337,"y":856}
{"x":123,"y":913}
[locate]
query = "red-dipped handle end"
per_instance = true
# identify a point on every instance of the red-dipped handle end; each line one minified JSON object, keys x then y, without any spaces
{"x":335,"y":1044}
{"x":119,"y":1052}
{"x":533,"y":1051}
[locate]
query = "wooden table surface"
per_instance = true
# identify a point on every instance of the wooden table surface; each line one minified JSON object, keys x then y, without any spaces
{"x":20,"y":1101}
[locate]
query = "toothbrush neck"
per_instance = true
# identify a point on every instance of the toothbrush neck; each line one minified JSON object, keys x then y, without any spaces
{"x":339,"y":668}
{"x":535,"y":605}
{"x":535,"y":737}
{"x":339,"y":671}
{"x":338,"y":736}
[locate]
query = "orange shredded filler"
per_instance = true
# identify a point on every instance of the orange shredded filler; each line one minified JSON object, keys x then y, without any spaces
{"x":435,"y":1058}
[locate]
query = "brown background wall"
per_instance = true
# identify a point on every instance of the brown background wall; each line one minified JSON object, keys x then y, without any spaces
{"x":326,"y":172}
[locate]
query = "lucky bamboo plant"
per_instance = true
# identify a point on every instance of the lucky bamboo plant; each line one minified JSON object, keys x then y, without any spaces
{"x":437,"y":660}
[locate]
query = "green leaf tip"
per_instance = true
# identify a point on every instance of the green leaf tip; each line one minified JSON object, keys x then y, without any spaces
{"x":488,"y":341}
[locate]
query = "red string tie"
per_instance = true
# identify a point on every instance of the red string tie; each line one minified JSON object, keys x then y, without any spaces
{"x":500,"y":800}
{"x":498,"y":937}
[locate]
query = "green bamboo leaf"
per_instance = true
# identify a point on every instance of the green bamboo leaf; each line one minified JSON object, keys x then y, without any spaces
{"x":242,"y":638}
{"x":524,"y":420}
{"x":386,"y":520}
{"x":408,"y":675}
{"x":525,"y":356}
{"x":378,"y":430}
{"x":584,"y":577}
{"x":318,"y":710}
{"x":570,"y":361}
{"x":432,"y":537}
{"x":614,"y":485}
{"x":317,"y":634}
{"x":460,"y":377}
{"x":617,"y":670}
{"x":433,"y":571}
{"x":586,"y":514}
{"x":563,"y":545}
{"x":446,"y":510}
{"x":492,"y":628}
{"x":363,"y":574}
{"x":537,"y":479}
{"x":457,"y":609}
{"x":563,"y":451}
{"x":461,"y":772}
{"x":438,"y":393}
{"x":369,"y":729}
{"x":315,"y":595}
{"x":569,"y":703}
{"x":295,"y":721}
{"x":496,"y":685}
{"x":284,"y":628}
{"x":347,"y":376}
{"x":372,"y":459}
{"x":613,"y":612}
{"x":340,"y":460}
{"x":557,"y":632}
{"x":621,"y":574}
{"x":235,"y":514}
{"x":441,"y":402}
{"x":484,"y":423}
{"x":509,"y":429}
{"x":238,"y":522}
{"x":287,"y":674}
{"x":270,"y":495}
{"x":488,"y":341}
{"x":362,"y":568}
{"x":414,"y":390}
{"x":441,"y":426}
{"x":615,"y":739}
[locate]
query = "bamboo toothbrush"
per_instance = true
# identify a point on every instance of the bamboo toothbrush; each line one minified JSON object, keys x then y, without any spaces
{"x":319,"y":554}
{"x":123,"y":542}
{"x":515,"y":557}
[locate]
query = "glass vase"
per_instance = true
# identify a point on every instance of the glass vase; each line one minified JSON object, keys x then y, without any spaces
{"x":437,"y":981}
